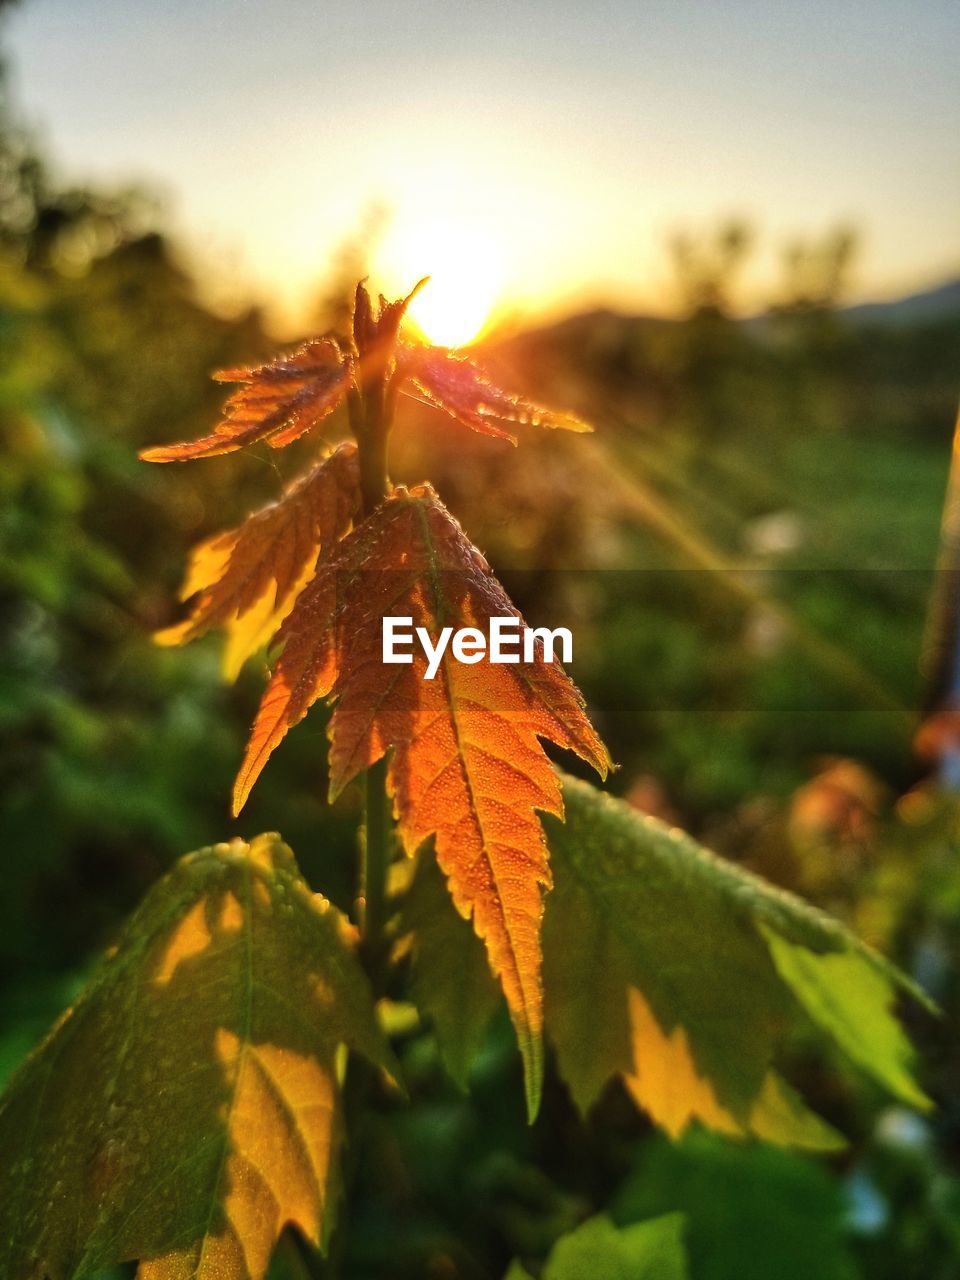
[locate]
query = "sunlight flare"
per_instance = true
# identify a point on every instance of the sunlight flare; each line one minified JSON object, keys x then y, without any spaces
{"x":466,"y":277}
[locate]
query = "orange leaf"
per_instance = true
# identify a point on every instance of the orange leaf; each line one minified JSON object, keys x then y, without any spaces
{"x":458,"y":387}
{"x":279,"y":402}
{"x":246,"y":579}
{"x":467,"y":766}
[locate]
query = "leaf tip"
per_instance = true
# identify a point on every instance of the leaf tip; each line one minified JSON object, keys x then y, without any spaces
{"x":604,"y":764}
{"x":155,"y":454}
{"x":421,"y":284}
{"x":241,"y":791}
{"x":531,"y":1051}
{"x":171,"y":637}
{"x":533,"y":1092}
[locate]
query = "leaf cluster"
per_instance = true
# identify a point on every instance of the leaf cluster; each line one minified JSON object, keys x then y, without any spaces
{"x":191,"y":1104}
{"x":466,"y":766}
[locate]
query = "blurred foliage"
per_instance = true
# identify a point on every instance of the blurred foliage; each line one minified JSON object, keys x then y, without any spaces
{"x":642,"y":1251}
{"x":743,"y":553}
{"x":751,"y":1212}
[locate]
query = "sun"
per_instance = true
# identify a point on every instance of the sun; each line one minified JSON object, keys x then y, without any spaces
{"x":466,"y":277}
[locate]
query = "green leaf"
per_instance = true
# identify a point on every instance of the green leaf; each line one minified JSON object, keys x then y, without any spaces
{"x":682,"y":972}
{"x":751,"y":1211}
{"x":843,"y":994}
{"x":645,"y":1251}
{"x":451,"y":981}
{"x":188,"y":1105}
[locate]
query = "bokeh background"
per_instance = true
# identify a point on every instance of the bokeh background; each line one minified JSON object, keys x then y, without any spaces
{"x":727,"y":236}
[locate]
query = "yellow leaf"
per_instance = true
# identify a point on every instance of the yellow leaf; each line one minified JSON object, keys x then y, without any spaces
{"x":189,"y":1105}
{"x":246,"y":579}
{"x":682,"y":973}
{"x":666,"y":1083}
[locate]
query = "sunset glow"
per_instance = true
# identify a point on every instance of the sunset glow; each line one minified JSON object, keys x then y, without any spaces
{"x":534,"y":131}
{"x":466,"y":277}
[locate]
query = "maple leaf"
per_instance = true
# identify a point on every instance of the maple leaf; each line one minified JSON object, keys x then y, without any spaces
{"x":188,"y":1106}
{"x":282,"y":400}
{"x":681,"y":972}
{"x":279,"y":402}
{"x":246,"y":579}
{"x":678,"y":972}
{"x":467,"y":767}
{"x":456,"y":385}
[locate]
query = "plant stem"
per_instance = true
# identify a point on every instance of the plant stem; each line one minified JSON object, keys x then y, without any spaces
{"x":373,"y":866}
{"x":372,"y":431}
{"x":372,"y":447}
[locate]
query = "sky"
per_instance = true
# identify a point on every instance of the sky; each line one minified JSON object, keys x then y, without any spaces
{"x":531,"y":156}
